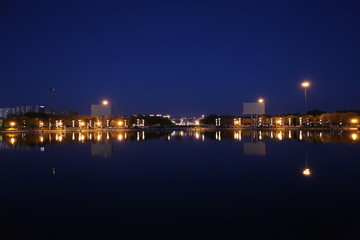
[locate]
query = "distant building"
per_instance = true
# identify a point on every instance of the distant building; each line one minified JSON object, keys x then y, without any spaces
{"x":101,"y":110}
{"x":39,"y":109}
{"x":256,"y":108}
{"x":18,"y":110}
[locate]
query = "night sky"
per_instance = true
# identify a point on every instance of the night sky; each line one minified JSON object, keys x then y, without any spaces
{"x":181,"y":58}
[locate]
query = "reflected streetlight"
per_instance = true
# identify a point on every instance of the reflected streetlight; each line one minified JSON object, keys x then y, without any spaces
{"x":306,"y":172}
{"x":354,"y":136}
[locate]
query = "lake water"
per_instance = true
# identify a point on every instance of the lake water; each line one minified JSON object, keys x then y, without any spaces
{"x":266,"y":184}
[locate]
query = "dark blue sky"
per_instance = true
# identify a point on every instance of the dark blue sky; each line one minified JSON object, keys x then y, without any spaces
{"x":180,"y":57}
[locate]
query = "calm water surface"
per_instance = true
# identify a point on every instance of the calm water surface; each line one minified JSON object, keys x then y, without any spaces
{"x":268,"y":184}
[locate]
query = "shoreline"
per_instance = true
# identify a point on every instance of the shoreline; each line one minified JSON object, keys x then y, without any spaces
{"x":192,"y":128}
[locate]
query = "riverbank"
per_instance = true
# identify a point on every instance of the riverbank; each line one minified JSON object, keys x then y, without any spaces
{"x":191,"y":128}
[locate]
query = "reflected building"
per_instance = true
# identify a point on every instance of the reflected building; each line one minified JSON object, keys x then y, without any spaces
{"x":101,"y":149}
{"x":254,"y":148}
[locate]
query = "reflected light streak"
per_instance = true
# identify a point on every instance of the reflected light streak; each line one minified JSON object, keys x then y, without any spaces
{"x":218,"y":136}
{"x":354,"y":136}
{"x":306,"y":172}
{"x":120,"y":137}
{"x":197,"y":135}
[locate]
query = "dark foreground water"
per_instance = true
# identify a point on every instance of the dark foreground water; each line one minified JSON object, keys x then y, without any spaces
{"x":247,"y":185}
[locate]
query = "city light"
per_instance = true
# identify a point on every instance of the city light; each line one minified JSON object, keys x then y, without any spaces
{"x":354,"y":121}
{"x":105,"y":102}
{"x":306,"y":172}
{"x":12,"y":124}
{"x":354,"y":136}
{"x":12,"y":140}
{"x":120,"y":123}
{"x":305,"y":84}
{"x":261,"y":100}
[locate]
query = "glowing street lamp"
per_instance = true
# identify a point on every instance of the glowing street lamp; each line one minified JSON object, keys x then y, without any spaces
{"x":120,"y":123}
{"x":260,"y":100}
{"x":105,"y":102}
{"x":12,"y":124}
{"x":305,"y":85}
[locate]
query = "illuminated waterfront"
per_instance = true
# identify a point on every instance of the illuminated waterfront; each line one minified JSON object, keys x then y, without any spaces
{"x":157,"y":182}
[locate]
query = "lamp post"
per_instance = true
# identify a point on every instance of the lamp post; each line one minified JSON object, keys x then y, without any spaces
{"x":305,"y":85}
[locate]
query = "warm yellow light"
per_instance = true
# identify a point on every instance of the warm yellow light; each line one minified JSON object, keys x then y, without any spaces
{"x":261,"y":100}
{"x":12,"y":140}
{"x":12,"y":124}
{"x":105,"y":102}
{"x":197,"y":123}
{"x":120,"y":123}
{"x":354,"y":121}
{"x":305,"y":84}
{"x":120,"y":137}
{"x":82,"y":123}
{"x":98,"y":123}
{"x":354,"y":136}
{"x":306,"y":172}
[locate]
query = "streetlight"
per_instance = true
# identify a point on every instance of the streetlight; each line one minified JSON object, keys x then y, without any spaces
{"x":105,"y":102}
{"x":260,"y":100}
{"x":305,"y":85}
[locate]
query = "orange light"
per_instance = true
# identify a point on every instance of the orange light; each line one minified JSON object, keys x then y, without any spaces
{"x":354,"y":136}
{"x":305,"y":84}
{"x":12,"y":124}
{"x":120,"y":123}
{"x":105,"y":102}
{"x":354,"y":121}
{"x":306,"y":172}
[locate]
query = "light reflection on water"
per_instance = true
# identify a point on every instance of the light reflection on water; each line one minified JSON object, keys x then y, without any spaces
{"x":223,"y":178}
{"x":29,"y":140}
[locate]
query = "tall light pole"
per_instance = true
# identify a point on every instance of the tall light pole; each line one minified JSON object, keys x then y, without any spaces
{"x":305,"y":85}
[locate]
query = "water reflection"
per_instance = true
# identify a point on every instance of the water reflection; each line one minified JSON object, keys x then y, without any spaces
{"x":254,"y":148}
{"x":102,"y":149}
{"x":31,"y":141}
